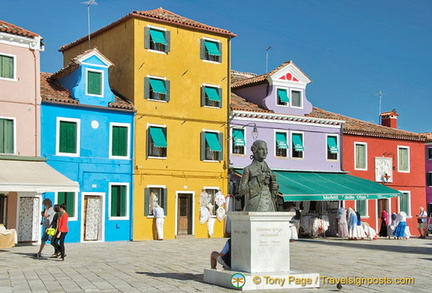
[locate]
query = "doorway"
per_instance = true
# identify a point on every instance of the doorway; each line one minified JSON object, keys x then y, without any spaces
{"x":93,"y":215}
{"x":184,"y":214}
{"x":383,"y":204}
{"x":29,"y":218}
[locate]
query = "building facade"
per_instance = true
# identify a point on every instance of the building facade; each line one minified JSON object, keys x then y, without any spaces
{"x":428,"y":164}
{"x":177,"y":71}
{"x":87,"y":136}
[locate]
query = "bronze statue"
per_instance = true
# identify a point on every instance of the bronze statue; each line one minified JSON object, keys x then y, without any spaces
{"x":258,"y":183}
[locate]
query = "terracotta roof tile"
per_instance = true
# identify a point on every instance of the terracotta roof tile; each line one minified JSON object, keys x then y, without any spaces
{"x":237,"y":76}
{"x":358,"y":127}
{"x":7,"y":27}
{"x":159,"y":15}
{"x":240,"y":104}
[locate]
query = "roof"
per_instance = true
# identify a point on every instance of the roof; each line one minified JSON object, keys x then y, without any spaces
{"x":159,"y":15}
{"x":428,"y":136}
{"x":237,"y":76}
{"x":240,"y":104}
{"x":7,"y":27}
{"x":53,"y":92}
{"x":358,"y":127}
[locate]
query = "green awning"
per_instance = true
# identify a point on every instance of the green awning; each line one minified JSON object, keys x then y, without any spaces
{"x":213,"y":141}
{"x":158,"y":86}
{"x":158,"y":136}
{"x":332,"y":144}
{"x":281,"y":140}
{"x":158,"y":37}
{"x":212,"y":93}
{"x":297,"y":186}
{"x":297,"y":142}
{"x":238,"y":137}
{"x":282,"y":95}
{"x":212,"y":48}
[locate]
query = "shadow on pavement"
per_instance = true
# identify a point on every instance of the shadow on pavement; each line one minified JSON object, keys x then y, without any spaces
{"x":362,"y":245}
{"x":177,"y":276}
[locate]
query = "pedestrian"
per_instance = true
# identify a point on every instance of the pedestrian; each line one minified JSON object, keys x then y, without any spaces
{"x":47,"y":218}
{"x":62,"y":230}
{"x":384,"y":224}
{"x":393,"y":224}
{"x":341,"y":217}
{"x":223,"y":257}
{"x":400,"y":231}
{"x":355,"y":229}
{"x":421,"y":223}
{"x":159,"y":215}
{"x":54,"y":225}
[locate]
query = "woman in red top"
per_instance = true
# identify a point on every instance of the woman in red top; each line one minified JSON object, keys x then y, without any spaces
{"x":62,"y":230}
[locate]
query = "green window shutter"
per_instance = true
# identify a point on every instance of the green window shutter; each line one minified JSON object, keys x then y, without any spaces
{"x":220,"y":51}
{"x":213,"y":142}
{"x":220,"y":153}
{"x":297,"y":140}
{"x":118,"y":200}
{"x":282,"y":95}
{"x":158,"y":137}
{"x":403,"y":159}
{"x":114,"y":200}
{"x":361,"y":207}
{"x":220,"y":95}
{"x":164,"y":198}
{"x":6,"y":67}
{"x":281,"y":140}
{"x":146,"y":88}
{"x":203,"y":96}
{"x":119,"y":141}
{"x":158,"y":86}
{"x":203,"y":144}
{"x":158,"y":36}
{"x":168,"y":41}
{"x":212,"y":48}
{"x":122,"y":199}
{"x":147,"y":37}
{"x":332,"y":144}
{"x":212,"y":93}
{"x":6,"y":136}
{"x":94,"y":83}
{"x":68,"y":198}
{"x":68,"y":137}
{"x":146,"y":201}
{"x":404,"y":203}
{"x":238,"y":137}
{"x":202,"y":49}
{"x":167,"y":86}
{"x":360,"y":156}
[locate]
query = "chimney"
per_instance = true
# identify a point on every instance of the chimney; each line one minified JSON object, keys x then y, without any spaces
{"x":389,"y":119}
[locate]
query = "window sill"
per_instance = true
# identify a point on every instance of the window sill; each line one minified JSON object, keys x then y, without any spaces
{"x":8,"y":79}
{"x":211,"y":107}
{"x":157,"y":51}
{"x":294,"y":107}
{"x":211,"y":161}
{"x":153,"y":217}
{"x":209,"y":61}
{"x":67,"y":155}
{"x":238,"y":155}
{"x":118,"y":218}
{"x":157,"y":158}
{"x":161,"y":101}
{"x":119,"y":158}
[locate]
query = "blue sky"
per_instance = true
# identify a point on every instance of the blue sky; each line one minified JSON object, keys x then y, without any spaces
{"x":351,"y":49}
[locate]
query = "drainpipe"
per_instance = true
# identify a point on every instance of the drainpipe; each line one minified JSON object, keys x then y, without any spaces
{"x":36,"y":142}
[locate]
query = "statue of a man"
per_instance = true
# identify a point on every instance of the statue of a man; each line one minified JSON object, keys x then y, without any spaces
{"x":258,"y":183}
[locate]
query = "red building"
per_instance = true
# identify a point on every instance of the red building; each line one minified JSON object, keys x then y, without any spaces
{"x":387,"y":155}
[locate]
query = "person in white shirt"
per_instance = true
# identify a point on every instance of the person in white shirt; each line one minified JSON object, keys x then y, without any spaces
{"x":47,"y":217}
{"x":159,"y":215}
{"x":421,"y":223}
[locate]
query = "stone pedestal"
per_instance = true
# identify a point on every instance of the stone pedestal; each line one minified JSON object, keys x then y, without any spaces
{"x":260,"y":256}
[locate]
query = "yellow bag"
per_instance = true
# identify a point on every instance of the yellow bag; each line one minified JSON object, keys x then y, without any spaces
{"x":51,"y":231}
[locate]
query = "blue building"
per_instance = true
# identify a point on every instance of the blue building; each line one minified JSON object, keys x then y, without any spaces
{"x":87,"y":131}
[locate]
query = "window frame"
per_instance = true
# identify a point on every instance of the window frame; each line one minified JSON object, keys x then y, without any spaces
{"x":328,"y":150}
{"x":232,"y":146}
{"x":56,"y":199}
{"x":366,"y":214}
{"x":203,"y":50}
{"x":408,"y":193}
{"x":205,"y":101}
{"x":164,"y":195}
{"x":102,"y":79}
{"x":127,"y":195}
{"x":204,"y":146}
{"x":355,"y":156}
{"x":164,"y":151}
{"x":119,"y":124}
{"x":148,"y":39}
{"x":78,"y":136}
{"x":213,"y":190}
{"x":148,"y":92}
{"x":14,"y":57}
{"x":429,"y":153}
{"x":287,"y":150}
{"x":429,"y":179}
{"x":14,"y":140}
{"x":399,"y":147}
{"x":292,"y":147}
{"x":292,"y":99}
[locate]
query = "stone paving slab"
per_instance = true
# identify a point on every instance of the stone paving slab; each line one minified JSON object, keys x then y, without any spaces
{"x":177,"y":265}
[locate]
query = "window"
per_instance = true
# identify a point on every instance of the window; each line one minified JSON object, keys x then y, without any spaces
{"x":211,"y":96}
{"x":405,"y":203}
{"x":282,"y":97}
{"x":68,"y":198}
{"x":7,"y":67}
{"x":119,"y":144}
{"x":211,"y":50}
{"x":403,"y":159}
{"x":157,"y":142}
{"x":332,"y":147}
{"x":3,"y":209}
{"x":429,"y":153}
{"x":360,"y":156}
{"x":155,"y":195}
{"x":211,"y":146}
{"x":157,"y":39}
{"x":94,"y":82}
{"x":7,"y":136}
{"x":68,"y":137}
{"x":297,"y":145}
{"x":156,"y":89}
{"x":212,"y":196}
{"x":118,"y":200}
{"x":281,"y":144}
{"x":361,"y":207}
{"x":429,"y":179}
{"x":238,"y":141}
{"x":296,"y":99}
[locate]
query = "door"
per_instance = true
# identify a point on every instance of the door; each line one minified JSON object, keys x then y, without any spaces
{"x":29,"y":218}
{"x":383,"y":204}
{"x":184,"y":214}
{"x":92,"y":218}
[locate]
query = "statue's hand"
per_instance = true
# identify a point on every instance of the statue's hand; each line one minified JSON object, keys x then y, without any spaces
{"x":274,"y":186}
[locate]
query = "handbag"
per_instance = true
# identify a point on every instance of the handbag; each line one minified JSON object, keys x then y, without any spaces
{"x":51,"y":231}
{"x":419,"y":220}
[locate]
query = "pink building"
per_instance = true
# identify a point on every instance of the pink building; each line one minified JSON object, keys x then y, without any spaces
{"x":24,"y":176}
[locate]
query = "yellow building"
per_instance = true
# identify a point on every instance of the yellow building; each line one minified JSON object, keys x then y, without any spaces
{"x":178,"y":73}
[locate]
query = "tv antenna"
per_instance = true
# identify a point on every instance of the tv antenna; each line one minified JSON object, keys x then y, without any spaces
{"x":267,"y":50}
{"x":90,"y":2}
{"x":380,"y":94}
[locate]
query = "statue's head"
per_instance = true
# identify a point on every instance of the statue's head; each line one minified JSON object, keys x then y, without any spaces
{"x":259,"y":150}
